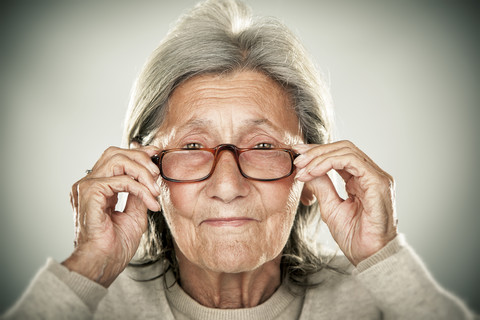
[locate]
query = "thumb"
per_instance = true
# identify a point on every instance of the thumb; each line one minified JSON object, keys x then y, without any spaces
{"x":324,"y":191}
{"x":135,"y":207}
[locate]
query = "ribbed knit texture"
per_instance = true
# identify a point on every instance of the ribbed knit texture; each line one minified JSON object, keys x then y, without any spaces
{"x":389,"y":250}
{"x":91,"y":293}
{"x":391,"y":284}
{"x":281,"y":305}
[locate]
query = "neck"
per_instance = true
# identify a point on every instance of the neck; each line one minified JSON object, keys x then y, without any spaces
{"x":229,"y":290}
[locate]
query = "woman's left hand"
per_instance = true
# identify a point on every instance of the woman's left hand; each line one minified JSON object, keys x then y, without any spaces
{"x":366,"y":221}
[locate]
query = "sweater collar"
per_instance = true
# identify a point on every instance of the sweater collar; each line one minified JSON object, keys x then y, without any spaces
{"x":181,"y":302}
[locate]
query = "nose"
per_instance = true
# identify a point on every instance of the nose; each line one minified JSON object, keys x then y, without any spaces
{"x":227,"y":183}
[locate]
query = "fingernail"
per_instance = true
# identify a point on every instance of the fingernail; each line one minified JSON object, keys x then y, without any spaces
{"x":154,"y":168}
{"x":299,"y":159}
{"x":300,"y":173}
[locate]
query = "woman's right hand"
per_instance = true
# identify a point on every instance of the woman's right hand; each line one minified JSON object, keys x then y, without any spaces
{"x":106,"y":240}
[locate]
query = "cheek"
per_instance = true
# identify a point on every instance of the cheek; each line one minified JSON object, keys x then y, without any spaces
{"x":283,"y":203}
{"x":180,"y":198}
{"x":178,"y":203}
{"x":283,"y":198}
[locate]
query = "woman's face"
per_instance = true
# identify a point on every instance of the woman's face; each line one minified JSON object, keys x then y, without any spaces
{"x":228,"y":223}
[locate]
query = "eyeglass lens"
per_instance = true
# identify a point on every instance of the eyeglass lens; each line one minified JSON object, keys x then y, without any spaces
{"x":185,"y":165}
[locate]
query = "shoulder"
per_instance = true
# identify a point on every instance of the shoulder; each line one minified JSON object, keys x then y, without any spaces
{"x":338,"y":294}
{"x":138,"y":292}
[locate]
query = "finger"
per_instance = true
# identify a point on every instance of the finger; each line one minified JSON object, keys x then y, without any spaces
{"x":366,"y":183}
{"x":311,"y":151}
{"x":125,"y":184}
{"x":133,"y":204}
{"x":324,"y":190}
{"x":304,"y":159}
{"x":74,"y":196}
{"x":316,"y":153}
{"x":112,"y":201}
{"x":150,"y":150}
{"x":313,"y":158}
{"x":142,"y":156}
{"x":345,"y":175}
{"x":119,"y":164}
{"x":100,"y":190}
{"x":136,"y":211}
{"x":74,"y":204}
{"x":348,"y":163}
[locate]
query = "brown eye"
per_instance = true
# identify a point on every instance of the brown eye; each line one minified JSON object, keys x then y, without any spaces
{"x":264,"y":145}
{"x":193,"y":145}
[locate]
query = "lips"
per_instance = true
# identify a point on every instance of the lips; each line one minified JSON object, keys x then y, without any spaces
{"x":228,"y":222}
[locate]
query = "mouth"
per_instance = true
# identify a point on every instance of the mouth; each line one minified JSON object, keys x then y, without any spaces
{"x":228,"y":222}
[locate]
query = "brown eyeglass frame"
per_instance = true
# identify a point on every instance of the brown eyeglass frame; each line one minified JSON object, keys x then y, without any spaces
{"x":157,"y":159}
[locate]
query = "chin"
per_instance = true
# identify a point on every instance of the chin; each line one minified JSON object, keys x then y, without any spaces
{"x":233,"y":258}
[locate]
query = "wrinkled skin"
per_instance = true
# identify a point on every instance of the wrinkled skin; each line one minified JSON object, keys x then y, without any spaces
{"x":228,"y":231}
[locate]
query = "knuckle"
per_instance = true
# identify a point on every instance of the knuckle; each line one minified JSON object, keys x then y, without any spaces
{"x":117,"y":157}
{"x":83,"y":186}
{"x":117,"y":163}
{"x":80,"y":188}
{"x":131,"y":187}
{"x":74,"y":188}
{"x":117,"y":168}
{"x":352,"y":146}
{"x":141,"y":155}
{"x":384,"y":181}
{"x":110,"y":151}
{"x":351,"y":156}
{"x":346,"y":151}
{"x":347,"y":143}
{"x":390,"y":181}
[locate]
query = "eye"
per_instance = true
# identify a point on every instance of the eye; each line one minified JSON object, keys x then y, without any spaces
{"x":193,"y":145}
{"x":264,"y":145}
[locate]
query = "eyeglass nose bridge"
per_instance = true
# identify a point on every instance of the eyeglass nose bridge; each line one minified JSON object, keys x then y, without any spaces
{"x":229,"y":147}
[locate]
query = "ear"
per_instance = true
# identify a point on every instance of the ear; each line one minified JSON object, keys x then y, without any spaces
{"x":135,"y":144}
{"x":307,"y":197}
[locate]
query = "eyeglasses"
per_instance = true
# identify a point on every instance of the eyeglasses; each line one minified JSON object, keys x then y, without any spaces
{"x":198,"y":164}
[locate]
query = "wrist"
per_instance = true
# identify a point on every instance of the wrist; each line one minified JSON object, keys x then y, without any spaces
{"x":392,"y":248}
{"x":95,"y":266}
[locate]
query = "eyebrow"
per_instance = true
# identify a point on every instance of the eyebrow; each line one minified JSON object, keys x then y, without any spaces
{"x":247,"y":125}
{"x":205,"y":123}
{"x":195,"y":125}
{"x":256,"y":122}
{"x":264,"y":122}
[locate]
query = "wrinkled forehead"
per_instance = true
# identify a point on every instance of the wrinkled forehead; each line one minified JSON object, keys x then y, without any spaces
{"x":246,"y":88}
{"x":230,"y":100}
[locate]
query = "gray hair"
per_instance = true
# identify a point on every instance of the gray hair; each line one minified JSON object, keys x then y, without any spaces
{"x":218,"y":37}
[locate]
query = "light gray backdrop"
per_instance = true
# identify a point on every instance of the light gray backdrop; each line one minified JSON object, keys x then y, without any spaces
{"x":404,"y":77}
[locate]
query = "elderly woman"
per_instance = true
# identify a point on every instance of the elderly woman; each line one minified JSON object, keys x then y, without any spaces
{"x":226,"y":174}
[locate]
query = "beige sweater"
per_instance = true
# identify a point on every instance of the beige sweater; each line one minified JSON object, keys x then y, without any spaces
{"x":392,"y":284}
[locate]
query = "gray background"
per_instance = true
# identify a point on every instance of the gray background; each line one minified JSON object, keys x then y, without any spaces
{"x":404,"y":78}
